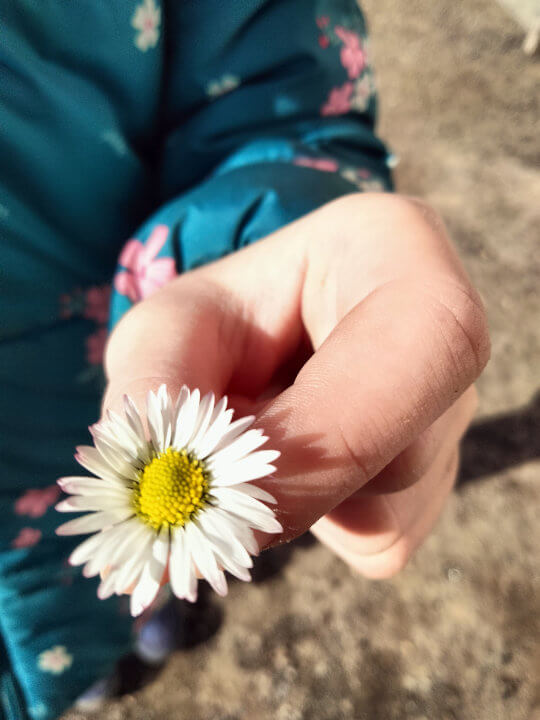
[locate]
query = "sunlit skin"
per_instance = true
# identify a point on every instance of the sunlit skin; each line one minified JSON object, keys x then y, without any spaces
{"x":355,"y":337}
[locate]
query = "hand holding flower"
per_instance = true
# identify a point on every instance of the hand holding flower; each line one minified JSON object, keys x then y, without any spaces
{"x":353,"y":336}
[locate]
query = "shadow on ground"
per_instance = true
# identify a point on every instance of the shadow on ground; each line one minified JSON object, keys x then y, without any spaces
{"x":501,"y":442}
{"x":196,"y":624}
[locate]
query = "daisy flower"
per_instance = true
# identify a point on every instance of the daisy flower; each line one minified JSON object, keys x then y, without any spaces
{"x":180,"y":500}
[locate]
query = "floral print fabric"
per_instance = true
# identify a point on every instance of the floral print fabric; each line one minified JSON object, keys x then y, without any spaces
{"x":146,"y":21}
{"x":359,"y":88}
{"x":55,"y":660}
{"x":144,"y":273}
{"x":182,"y":130}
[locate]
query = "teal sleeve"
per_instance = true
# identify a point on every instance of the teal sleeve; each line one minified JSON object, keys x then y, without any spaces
{"x":194,"y":128}
{"x":273,"y":120}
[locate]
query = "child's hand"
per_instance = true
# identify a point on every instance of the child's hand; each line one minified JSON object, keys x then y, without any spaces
{"x":369,"y":424}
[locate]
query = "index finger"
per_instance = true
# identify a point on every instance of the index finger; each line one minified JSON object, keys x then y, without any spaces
{"x":394,"y":362}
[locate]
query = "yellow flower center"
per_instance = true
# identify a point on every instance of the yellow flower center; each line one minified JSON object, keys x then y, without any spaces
{"x":171,"y":489}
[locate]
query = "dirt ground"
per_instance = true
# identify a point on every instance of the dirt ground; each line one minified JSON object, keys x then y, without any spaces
{"x":456,"y":636}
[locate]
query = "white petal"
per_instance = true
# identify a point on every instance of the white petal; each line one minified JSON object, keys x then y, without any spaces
{"x":88,"y":523}
{"x":256,"y":492}
{"x":204,"y":559}
{"x":167,"y":412}
{"x":185,"y":423}
{"x":119,"y":556}
{"x":247,"y":443}
{"x":124,"y":466}
{"x":81,"y":485}
{"x":86,"y":549}
{"x":159,"y":416}
{"x":242,"y":471}
{"x":250,"y":510}
{"x":221,"y":419}
{"x":133,"y":418}
{"x":135,"y":533}
{"x":226,"y":553}
{"x":192,"y":581}
{"x":114,"y":453}
{"x":110,"y":543}
{"x":155,"y":421}
{"x":163,"y":396}
{"x":137,"y":454}
{"x":239,"y":571}
{"x":219,"y":409}
{"x":235,"y":429}
{"x":91,"y":459}
{"x":182,"y":398}
{"x":106,"y":586}
{"x":223,"y":537}
{"x":150,"y":581}
{"x":204,"y":416}
{"x":181,"y":569}
{"x":78,"y":503}
{"x":262,"y":456}
{"x":130,"y":571}
{"x":101,"y":550}
{"x":99,"y":561}
{"x":124,"y":432}
{"x":119,"y":440}
{"x":241,"y":530}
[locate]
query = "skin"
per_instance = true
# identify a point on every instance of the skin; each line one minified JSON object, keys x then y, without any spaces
{"x":354,"y":336}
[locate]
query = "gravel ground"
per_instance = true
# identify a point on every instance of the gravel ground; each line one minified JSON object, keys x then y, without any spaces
{"x":456,"y":636}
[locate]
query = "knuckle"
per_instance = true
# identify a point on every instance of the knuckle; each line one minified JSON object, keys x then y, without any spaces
{"x":395,"y":208}
{"x":461,"y":321}
{"x":365,"y":450}
{"x":393,"y":202}
{"x":424,"y":211}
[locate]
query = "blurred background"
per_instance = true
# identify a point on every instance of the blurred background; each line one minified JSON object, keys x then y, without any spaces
{"x":456,"y":636}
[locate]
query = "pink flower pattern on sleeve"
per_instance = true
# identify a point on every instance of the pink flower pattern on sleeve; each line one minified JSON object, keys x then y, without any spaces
{"x":357,"y":90}
{"x":35,"y":503}
{"x":97,"y":301}
{"x":144,"y":272}
{"x":323,"y":164}
{"x":93,"y":304}
{"x":27,"y":537}
{"x":339,"y":100}
{"x":352,"y":56}
{"x":95,"y":346}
